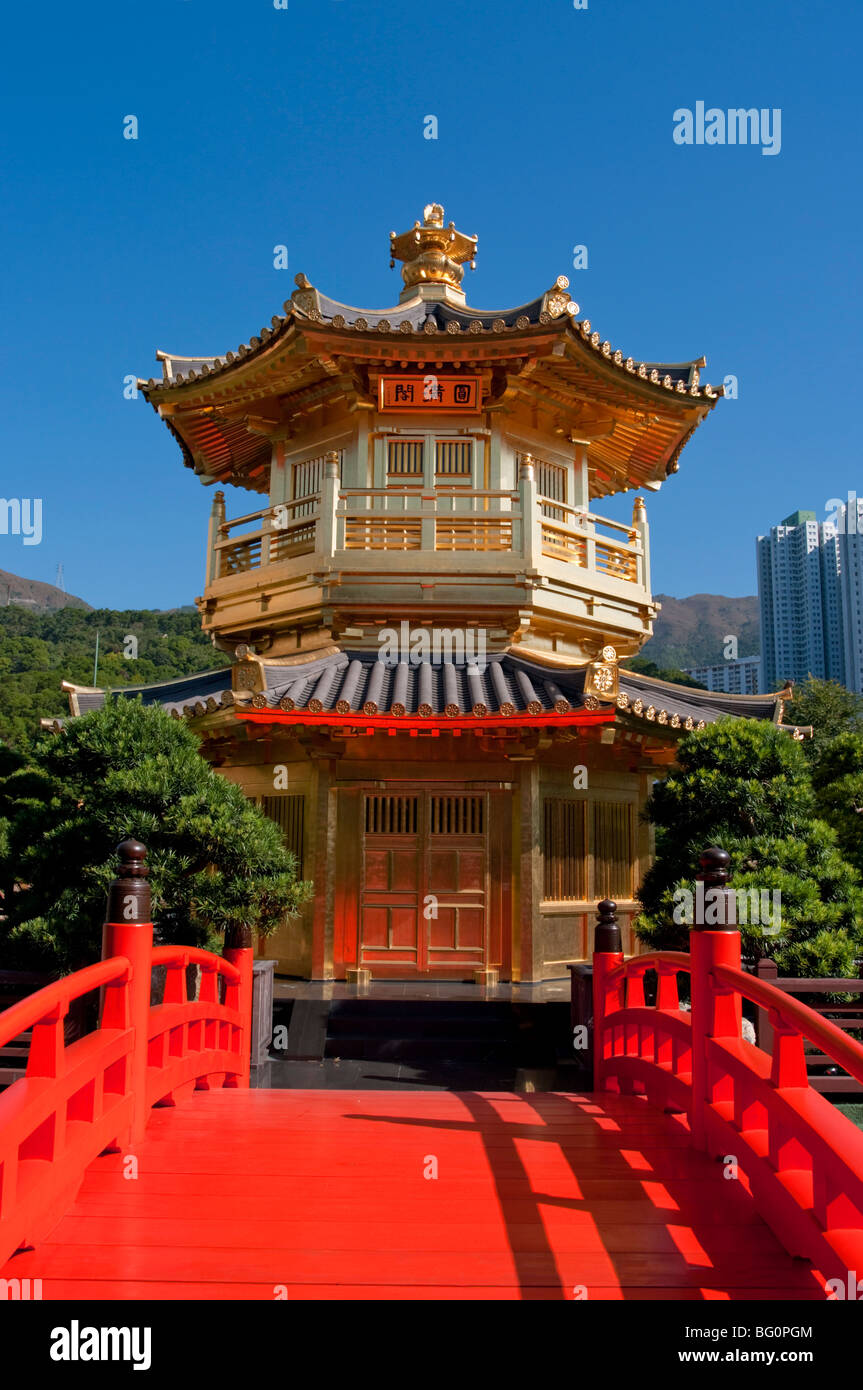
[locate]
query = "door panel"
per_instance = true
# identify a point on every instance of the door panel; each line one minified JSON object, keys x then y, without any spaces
{"x":404,"y":870}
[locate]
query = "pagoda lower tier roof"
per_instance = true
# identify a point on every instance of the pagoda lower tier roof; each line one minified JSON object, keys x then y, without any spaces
{"x":355,"y":687}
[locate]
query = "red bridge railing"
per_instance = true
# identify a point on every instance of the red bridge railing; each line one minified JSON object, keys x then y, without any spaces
{"x":802,"y":1158}
{"x":83,"y":1098}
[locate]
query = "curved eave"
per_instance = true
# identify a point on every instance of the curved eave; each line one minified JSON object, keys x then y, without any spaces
{"x":657,"y":380}
{"x":209,"y":403}
{"x":661,"y":695}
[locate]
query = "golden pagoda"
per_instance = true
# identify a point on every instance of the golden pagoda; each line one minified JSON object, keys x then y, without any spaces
{"x":426,"y":614}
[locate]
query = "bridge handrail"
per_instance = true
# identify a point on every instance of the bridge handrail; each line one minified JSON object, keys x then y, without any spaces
{"x":845,"y":1051}
{"x":195,"y":955}
{"x":801,"y":1158}
{"x":639,"y":965}
{"x":54,"y":999}
{"x":833,"y":1041}
{"x":92,"y":1095}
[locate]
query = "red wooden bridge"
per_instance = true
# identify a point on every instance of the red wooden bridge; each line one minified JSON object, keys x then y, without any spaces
{"x":136,"y":1163}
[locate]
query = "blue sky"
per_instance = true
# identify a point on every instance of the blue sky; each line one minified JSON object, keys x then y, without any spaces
{"x":304,"y":127}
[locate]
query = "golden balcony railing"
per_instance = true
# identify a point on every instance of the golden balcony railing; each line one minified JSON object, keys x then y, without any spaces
{"x":477,"y":533}
{"x":282,"y":532}
{"x":364,"y":531}
{"x":572,"y":534}
{"x":449,"y":518}
{"x":443,"y":519}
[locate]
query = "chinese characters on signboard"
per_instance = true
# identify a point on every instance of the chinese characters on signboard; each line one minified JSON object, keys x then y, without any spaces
{"x":430,"y":392}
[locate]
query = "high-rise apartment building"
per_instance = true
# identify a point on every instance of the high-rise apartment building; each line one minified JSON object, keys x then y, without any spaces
{"x":800,"y":597}
{"x":849,"y":544}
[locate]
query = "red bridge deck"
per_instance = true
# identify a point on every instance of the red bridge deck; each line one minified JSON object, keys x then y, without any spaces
{"x":323,"y":1195}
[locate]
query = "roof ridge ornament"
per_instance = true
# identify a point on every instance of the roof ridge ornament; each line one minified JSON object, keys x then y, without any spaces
{"x":304,"y":297}
{"x":557,"y":301}
{"x":433,"y":256}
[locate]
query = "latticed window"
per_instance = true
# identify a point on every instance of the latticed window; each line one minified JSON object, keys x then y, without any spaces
{"x":550,"y":480}
{"x":405,"y":458}
{"x":588,"y":850}
{"x":288,"y":812}
{"x":453,"y":458}
{"x":391,"y":815}
{"x":457,"y":815}
{"x":564,"y":849}
{"x":613,"y":849}
{"x":551,"y":485}
{"x":306,"y":479}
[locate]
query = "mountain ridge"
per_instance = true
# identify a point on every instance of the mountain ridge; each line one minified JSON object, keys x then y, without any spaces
{"x":33,"y":594}
{"x":693,"y":631}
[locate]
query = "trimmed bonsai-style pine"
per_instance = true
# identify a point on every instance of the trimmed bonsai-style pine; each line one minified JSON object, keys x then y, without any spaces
{"x":747,"y":787}
{"x":129,"y":770}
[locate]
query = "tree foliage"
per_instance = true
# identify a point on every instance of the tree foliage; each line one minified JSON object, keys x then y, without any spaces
{"x":130,"y":770}
{"x":837,"y":776}
{"x":829,"y":708}
{"x":747,"y":787}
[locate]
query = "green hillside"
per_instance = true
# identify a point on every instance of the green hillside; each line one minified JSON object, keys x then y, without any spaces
{"x":38,"y":650}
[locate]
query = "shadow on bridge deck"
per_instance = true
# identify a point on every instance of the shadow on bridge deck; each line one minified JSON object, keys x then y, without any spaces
{"x":324,"y":1195}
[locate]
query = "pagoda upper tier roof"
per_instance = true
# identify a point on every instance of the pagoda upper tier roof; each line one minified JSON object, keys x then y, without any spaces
{"x":309,"y":306}
{"x":634,"y":415}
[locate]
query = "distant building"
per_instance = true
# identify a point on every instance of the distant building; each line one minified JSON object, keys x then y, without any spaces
{"x":741,"y":676}
{"x":849,"y":544}
{"x":799,"y":593}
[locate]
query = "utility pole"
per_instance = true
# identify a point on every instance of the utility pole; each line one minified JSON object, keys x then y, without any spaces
{"x":96,"y":662}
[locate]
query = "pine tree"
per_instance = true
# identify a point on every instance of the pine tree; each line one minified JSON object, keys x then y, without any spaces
{"x":837,"y":777}
{"x":829,"y":708}
{"x":746,"y":786}
{"x":130,"y":770}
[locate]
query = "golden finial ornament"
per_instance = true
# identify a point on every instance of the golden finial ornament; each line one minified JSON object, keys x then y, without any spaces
{"x":432,"y":253}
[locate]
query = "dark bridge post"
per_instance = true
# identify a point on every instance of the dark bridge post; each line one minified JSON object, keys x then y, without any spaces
{"x":128,"y":931}
{"x":716,"y":1010}
{"x":607,"y":956}
{"x":606,"y":936}
{"x":715,"y":903}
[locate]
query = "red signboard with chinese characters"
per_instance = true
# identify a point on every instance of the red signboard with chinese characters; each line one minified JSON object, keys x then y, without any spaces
{"x":431,"y":391}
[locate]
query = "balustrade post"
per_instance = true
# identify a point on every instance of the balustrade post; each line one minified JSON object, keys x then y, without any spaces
{"x":589,"y":545}
{"x":428,"y":521}
{"x":214,"y":534}
{"x":642,"y":531}
{"x":270,"y":528}
{"x":128,"y":931}
{"x":328,"y":520}
{"x":607,"y":955}
{"x":238,"y":950}
{"x":531,"y":519}
{"x":716,"y":1013}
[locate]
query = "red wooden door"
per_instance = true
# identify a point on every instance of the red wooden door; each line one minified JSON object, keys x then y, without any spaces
{"x":423,"y":892}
